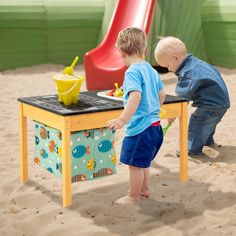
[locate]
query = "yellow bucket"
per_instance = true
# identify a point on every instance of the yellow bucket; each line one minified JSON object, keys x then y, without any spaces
{"x":68,"y":87}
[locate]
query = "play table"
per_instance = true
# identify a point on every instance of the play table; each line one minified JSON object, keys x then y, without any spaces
{"x":90,"y":113}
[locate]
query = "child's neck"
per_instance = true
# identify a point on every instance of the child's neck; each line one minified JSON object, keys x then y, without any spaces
{"x":129,"y":60}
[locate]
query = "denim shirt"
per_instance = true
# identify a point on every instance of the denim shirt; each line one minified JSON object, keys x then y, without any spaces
{"x":201,"y":83}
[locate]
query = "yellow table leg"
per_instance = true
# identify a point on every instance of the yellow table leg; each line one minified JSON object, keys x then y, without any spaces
{"x":23,"y":146}
{"x":66,"y":164}
{"x":184,"y":142}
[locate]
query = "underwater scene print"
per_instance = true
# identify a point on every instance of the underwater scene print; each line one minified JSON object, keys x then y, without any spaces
{"x":92,"y":152}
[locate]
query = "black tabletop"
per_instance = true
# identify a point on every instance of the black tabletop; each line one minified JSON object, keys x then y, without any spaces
{"x":88,"y":102}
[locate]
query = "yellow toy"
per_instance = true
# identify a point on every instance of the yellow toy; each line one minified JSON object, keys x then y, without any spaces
{"x":118,"y":91}
{"x":68,"y":84}
{"x":162,"y":113}
{"x":68,"y":87}
{"x":69,"y":70}
{"x":167,"y":126}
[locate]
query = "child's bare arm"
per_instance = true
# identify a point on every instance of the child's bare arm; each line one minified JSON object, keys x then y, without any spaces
{"x":130,"y":109}
{"x":133,"y":102}
{"x":171,"y":120}
{"x":161,"y":96}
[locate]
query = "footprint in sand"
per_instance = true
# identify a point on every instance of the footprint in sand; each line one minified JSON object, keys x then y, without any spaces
{"x":14,"y":210}
{"x":29,"y":200}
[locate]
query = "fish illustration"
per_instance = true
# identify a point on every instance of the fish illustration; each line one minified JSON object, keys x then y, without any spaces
{"x":104,"y":146}
{"x":43,"y":153}
{"x":44,"y":134}
{"x":51,"y":145}
{"x":59,"y":151}
{"x":79,"y":177}
{"x":59,"y":134}
{"x":113,"y":159}
{"x":59,"y":167}
{"x":50,"y":170}
{"x":80,"y":151}
{"x":89,"y":133}
{"x":86,"y":134}
{"x":103,"y":172}
{"x":91,"y":164}
{"x":37,"y":160}
{"x":36,"y":139}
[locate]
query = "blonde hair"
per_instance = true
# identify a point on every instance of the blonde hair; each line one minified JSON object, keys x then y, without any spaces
{"x":132,"y":41}
{"x":170,"y":45}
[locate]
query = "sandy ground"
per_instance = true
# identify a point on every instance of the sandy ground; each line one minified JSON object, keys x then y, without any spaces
{"x":205,"y":205}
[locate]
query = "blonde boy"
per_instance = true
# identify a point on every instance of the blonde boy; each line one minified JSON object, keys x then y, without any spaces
{"x":202,"y":84}
{"x":143,"y":96}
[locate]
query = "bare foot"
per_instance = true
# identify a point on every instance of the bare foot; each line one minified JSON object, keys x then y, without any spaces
{"x":126,"y":200}
{"x":145,"y":194}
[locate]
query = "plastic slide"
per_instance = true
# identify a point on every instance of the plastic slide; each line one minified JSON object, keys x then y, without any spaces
{"x":104,"y":65}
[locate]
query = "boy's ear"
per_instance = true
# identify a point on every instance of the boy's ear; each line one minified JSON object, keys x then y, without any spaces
{"x":175,"y":57}
{"x":123,"y":54}
{"x":145,"y":52}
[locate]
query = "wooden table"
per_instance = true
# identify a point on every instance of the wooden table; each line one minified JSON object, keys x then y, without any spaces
{"x":91,"y":112}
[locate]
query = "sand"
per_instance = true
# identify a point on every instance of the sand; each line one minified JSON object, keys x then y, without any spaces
{"x":205,"y":205}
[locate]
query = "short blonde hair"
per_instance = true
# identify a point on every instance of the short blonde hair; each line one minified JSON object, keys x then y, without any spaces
{"x":170,"y":45}
{"x":132,"y":41}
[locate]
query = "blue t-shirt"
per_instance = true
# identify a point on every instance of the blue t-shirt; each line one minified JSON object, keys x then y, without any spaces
{"x":143,"y":78}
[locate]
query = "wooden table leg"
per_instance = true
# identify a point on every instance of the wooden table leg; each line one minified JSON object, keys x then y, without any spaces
{"x":23,"y":145}
{"x":184,"y":142}
{"x":66,"y":164}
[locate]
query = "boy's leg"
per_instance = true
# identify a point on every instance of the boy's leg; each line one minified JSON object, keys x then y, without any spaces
{"x":198,"y":133}
{"x":145,"y":186}
{"x":201,"y":125}
{"x":136,"y":177}
{"x":210,"y":141}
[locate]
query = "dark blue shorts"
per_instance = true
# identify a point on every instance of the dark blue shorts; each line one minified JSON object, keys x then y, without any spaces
{"x":141,"y":149}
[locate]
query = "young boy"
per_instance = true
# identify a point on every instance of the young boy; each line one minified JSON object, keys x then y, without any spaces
{"x":143,"y":96}
{"x":202,"y":84}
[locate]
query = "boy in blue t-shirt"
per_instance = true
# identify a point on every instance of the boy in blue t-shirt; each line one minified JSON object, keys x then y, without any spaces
{"x":143,"y":96}
{"x":202,"y":84}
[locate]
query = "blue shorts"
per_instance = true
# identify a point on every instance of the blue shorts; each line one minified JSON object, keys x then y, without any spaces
{"x":141,"y":149}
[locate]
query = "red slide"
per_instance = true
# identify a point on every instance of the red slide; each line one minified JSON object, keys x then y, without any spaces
{"x":103,"y":64}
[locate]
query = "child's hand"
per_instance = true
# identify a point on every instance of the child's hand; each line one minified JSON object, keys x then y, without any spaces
{"x":115,"y":124}
{"x":171,"y":120}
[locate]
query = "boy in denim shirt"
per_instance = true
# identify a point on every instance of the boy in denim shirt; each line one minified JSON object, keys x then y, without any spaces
{"x":143,"y":96}
{"x":202,"y":84}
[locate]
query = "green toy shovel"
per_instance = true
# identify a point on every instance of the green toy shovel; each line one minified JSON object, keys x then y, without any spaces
{"x":164,"y":129}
